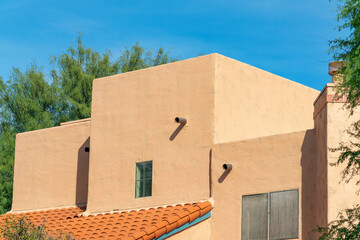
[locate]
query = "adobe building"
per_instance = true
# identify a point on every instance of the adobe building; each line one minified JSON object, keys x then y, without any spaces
{"x":207,"y":148}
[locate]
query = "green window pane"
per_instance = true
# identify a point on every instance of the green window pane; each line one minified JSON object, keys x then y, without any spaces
{"x":138,"y":171}
{"x":148,"y":171}
{"x":147,"y":187}
{"x":143,"y":179}
{"x":138,"y":188}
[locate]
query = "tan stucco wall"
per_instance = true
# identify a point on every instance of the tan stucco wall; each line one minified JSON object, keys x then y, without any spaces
{"x":133,"y":121}
{"x":332,"y":120}
{"x":223,"y":99}
{"x":341,"y":194}
{"x":261,"y":165}
{"x":320,"y":166}
{"x":51,"y":167}
{"x":250,"y":102}
{"x":200,"y":231}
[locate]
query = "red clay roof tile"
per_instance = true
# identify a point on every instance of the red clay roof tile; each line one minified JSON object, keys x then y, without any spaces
{"x":134,"y":225}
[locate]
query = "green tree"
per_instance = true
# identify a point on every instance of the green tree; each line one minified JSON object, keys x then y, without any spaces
{"x":32,"y":100}
{"x":138,"y":58}
{"x":7,"y":147}
{"x":27,"y":102}
{"x":347,"y":49}
{"x":74,"y":72}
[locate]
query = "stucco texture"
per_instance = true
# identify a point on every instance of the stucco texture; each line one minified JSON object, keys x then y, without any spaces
{"x":51,"y":167}
{"x":200,"y":231}
{"x":236,"y":113}
{"x":332,"y":120}
{"x":133,"y":121}
{"x":320,"y":166}
{"x":250,"y":103}
{"x":260,"y":165}
{"x":341,"y":195}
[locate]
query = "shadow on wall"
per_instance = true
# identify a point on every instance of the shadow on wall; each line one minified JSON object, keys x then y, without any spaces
{"x":82,"y":174}
{"x":176,"y":132}
{"x":224,"y":175}
{"x":311,"y":188}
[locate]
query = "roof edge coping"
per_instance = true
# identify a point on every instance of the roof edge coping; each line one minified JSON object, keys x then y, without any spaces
{"x":86,"y":213}
{"x":45,"y":209}
{"x":75,"y":121}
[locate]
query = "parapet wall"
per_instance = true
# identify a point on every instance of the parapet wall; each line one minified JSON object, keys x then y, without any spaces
{"x":251,"y":103}
{"x":51,"y":167}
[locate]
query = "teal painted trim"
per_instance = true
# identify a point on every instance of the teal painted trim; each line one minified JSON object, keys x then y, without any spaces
{"x":185,"y":226}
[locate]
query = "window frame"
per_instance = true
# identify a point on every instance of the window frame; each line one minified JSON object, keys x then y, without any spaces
{"x":138,"y":181}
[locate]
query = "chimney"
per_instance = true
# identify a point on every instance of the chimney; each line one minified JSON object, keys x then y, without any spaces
{"x":333,"y":70}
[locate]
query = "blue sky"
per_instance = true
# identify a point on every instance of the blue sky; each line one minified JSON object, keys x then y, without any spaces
{"x":288,"y":38}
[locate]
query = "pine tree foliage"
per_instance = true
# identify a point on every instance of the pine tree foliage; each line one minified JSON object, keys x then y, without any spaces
{"x":28,"y":101}
{"x":7,"y":148}
{"x":74,"y":72}
{"x":138,"y":58}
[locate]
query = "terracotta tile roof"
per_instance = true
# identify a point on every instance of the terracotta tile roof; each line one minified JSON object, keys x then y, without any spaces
{"x":144,"y":224}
